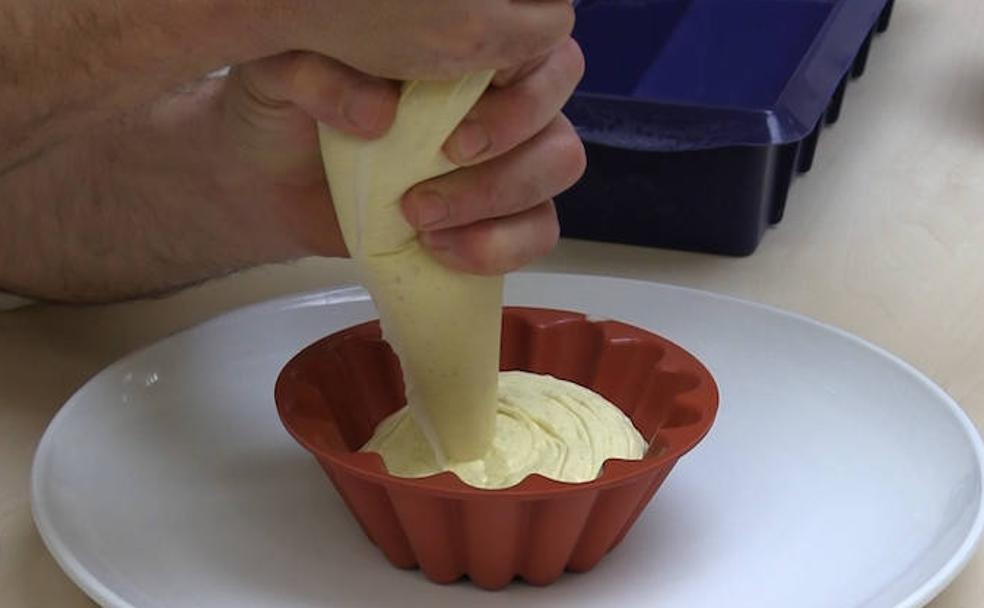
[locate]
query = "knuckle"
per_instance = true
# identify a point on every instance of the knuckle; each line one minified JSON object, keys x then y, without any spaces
{"x":550,"y":35}
{"x":483,"y":250}
{"x":528,"y":192}
{"x":571,"y":157}
{"x":516,"y":51}
{"x":466,"y":205}
{"x":495,"y":198}
{"x":524,"y":99}
{"x":576,"y":56}
{"x":471,"y":38}
{"x":508,"y":192}
{"x":497,"y":247}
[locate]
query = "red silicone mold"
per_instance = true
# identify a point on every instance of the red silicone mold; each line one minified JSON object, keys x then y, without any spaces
{"x":333,"y":394}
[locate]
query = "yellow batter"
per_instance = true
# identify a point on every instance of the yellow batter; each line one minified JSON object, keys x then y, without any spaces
{"x":543,"y":425}
{"x":445,"y":325}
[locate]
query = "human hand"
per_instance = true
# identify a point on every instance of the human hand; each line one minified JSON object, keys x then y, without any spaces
{"x":491,"y":216}
{"x":517,"y":150}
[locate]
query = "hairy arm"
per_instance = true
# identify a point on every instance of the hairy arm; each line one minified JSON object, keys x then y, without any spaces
{"x":65,"y":66}
{"x":159,"y":198}
{"x":68,"y":64}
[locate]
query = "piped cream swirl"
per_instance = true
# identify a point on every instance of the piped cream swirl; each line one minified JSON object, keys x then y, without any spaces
{"x":543,"y":425}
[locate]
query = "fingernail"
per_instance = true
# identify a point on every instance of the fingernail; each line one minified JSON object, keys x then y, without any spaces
{"x":429,"y":209}
{"x":363,"y":106}
{"x":469,"y":140}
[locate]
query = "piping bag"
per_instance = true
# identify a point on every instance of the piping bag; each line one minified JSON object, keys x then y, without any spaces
{"x":444,"y":325}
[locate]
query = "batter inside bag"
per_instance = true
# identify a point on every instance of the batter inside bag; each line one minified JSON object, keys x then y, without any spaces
{"x":443,"y":324}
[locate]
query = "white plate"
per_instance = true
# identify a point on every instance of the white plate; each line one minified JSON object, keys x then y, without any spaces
{"x":835,"y":476}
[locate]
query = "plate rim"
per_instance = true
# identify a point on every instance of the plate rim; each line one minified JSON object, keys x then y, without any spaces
{"x":90,"y":584}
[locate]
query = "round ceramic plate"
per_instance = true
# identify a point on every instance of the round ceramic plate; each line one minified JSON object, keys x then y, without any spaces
{"x":835,"y":475}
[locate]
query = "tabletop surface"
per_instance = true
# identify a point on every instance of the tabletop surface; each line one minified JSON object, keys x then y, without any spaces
{"x":884,"y":238}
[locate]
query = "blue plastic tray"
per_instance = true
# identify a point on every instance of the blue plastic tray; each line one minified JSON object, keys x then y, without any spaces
{"x":698,"y":113}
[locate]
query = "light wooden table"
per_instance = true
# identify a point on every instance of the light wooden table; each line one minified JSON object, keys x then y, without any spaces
{"x":885,"y":238}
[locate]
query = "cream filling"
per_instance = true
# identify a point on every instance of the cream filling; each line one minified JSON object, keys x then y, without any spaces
{"x":543,"y":425}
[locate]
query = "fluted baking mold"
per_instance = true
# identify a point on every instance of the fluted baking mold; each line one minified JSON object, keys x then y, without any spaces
{"x":332,"y":395}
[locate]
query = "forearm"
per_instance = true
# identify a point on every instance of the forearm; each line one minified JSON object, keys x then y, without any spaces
{"x":146,"y":203}
{"x":67,"y":65}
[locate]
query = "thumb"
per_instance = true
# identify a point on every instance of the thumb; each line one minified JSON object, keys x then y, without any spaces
{"x":325,"y":89}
